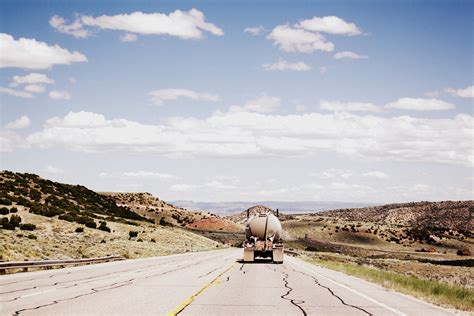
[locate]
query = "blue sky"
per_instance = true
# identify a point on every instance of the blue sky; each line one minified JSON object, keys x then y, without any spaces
{"x":367,"y":101}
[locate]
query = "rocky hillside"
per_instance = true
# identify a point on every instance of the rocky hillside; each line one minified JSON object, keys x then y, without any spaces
{"x":73,"y":203}
{"x":455,"y":215}
{"x":257,"y":209}
{"x":151,"y":207}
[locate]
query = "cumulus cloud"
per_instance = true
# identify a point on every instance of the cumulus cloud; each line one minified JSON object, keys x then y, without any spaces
{"x":245,"y":134}
{"x":75,"y":28}
{"x":31,"y":54}
{"x":16,"y":93}
{"x":32,"y":78}
{"x":160,"y":96}
{"x":338,"y":106}
{"x":183,"y":24}
{"x":375,"y":174}
{"x":255,"y":30}
{"x":462,"y":93}
{"x":349,"y":55}
{"x":128,"y":37}
{"x":22,"y":122}
{"x":419,"y":104}
{"x":9,"y":141}
{"x":282,"y":65}
{"x":290,"y":39}
{"x":54,"y":170}
{"x":262,"y":104}
{"x":34,"y":88}
{"x":329,"y":24}
{"x":334,"y":173}
{"x":59,"y":95}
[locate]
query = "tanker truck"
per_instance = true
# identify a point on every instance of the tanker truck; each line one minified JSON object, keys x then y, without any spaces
{"x":263,"y":238}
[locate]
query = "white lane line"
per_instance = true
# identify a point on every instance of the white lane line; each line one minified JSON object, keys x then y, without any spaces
{"x":38,"y":293}
{"x":396,"y":311}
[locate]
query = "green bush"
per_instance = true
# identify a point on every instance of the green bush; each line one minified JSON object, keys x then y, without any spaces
{"x":27,"y":226}
{"x":103,"y":226}
{"x":31,"y":236}
{"x":4,"y":211}
{"x":15,"y":220}
{"x":79,"y":229}
{"x":13,"y":210}
{"x":5,"y":201}
{"x":91,"y":224}
{"x":132,"y":234}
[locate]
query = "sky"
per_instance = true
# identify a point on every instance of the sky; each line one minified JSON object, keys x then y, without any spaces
{"x":354,"y":101}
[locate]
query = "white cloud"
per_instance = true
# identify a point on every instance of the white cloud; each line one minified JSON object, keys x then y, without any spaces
{"x":329,"y":24}
{"x":183,"y":187}
{"x":160,"y":96}
{"x":32,"y":54}
{"x":255,"y":30}
{"x":16,"y":93}
{"x":10,"y":140}
{"x":323,"y":69}
{"x":244,"y":134}
{"x":338,"y":106}
{"x":334,"y":173}
{"x":54,"y":170}
{"x":128,"y":37}
{"x":75,"y":28}
{"x":148,"y":174}
{"x":375,"y":174}
{"x":183,"y":24}
{"x":282,"y":65}
{"x":299,"y":40}
{"x":262,"y":104}
{"x":349,"y":55}
{"x":34,"y":88}
{"x":32,"y":78}
{"x":19,"y":123}
{"x":418,"y":104}
{"x":467,"y":92}
{"x":59,"y":95}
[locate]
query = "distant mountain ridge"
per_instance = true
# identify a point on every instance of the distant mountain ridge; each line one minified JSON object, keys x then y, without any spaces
{"x":230,"y":208}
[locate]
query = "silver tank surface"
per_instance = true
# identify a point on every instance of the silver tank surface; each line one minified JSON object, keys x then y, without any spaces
{"x":262,"y":225}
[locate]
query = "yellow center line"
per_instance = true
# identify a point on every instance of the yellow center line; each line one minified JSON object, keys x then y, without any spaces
{"x":190,"y":299}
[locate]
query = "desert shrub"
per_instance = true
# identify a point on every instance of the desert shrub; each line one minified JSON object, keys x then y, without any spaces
{"x":103,"y":226}
{"x":91,"y":224}
{"x":4,"y":211}
{"x":153,"y":240}
{"x":132,"y":234}
{"x":27,"y":226}
{"x":13,"y":210}
{"x":32,"y":236}
{"x":15,"y":220}
{"x":5,"y":201}
{"x":140,"y":240}
{"x":163,"y":222}
{"x":79,"y":229}
{"x":23,"y":201}
{"x":67,"y":217}
{"x":6,"y":224}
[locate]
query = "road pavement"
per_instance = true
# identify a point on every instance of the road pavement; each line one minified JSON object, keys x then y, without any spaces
{"x":205,"y":283}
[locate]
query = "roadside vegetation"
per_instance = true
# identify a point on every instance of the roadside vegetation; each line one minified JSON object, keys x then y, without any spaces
{"x":439,"y":293}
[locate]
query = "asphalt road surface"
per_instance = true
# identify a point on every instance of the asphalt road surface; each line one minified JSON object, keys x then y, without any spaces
{"x":206,"y":283}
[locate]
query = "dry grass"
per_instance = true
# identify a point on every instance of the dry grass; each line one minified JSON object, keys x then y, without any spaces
{"x":439,"y":293}
{"x":58,"y":239}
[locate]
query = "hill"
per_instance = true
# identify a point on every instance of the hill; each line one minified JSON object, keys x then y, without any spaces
{"x":454,"y":215}
{"x":293,"y":207}
{"x":40,"y":218}
{"x":254,"y":210}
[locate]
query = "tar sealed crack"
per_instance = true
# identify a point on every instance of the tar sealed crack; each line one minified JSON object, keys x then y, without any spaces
{"x":292,"y":301}
{"x":332,"y":293}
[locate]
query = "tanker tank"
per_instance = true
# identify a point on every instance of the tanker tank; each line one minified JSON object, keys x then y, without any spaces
{"x":263,"y":238}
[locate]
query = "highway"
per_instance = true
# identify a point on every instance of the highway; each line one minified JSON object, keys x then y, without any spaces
{"x":205,"y":283}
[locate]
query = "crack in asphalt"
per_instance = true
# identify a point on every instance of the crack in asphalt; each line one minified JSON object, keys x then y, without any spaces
{"x":290,"y":289}
{"x":105,"y":287}
{"x":242,"y":269}
{"x":201,"y":276}
{"x":332,"y":293}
